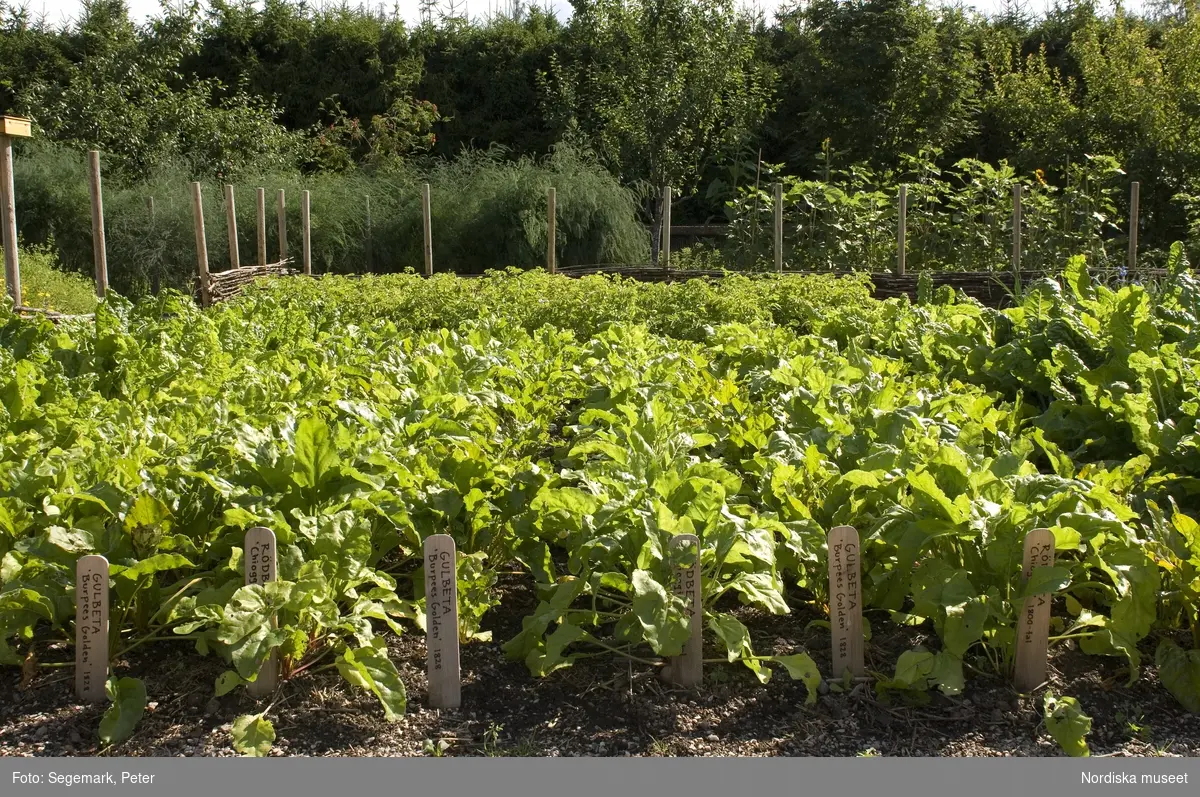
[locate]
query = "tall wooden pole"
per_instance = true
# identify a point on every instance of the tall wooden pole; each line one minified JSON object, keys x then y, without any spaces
{"x":778,"y":228}
{"x":99,"y":254}
{"x":201,"y":245}
{"x":261,"y":207}
{"x":1018,"y":193}
{"x":306,"y":233}
{"x":155,"y":277}
{"x":1134,"y":197}
{"x":902,"y":232}
{"x":426,"y":212}
{"x":368,"y":240}
{"x":281,"y":224}
{"x":235,"y":259}
{"x":8,"y":212}
{"x":666,"y":229}
{"x":551,"y":231}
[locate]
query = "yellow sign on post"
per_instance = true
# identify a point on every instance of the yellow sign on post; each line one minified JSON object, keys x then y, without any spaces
{"x":16,"y":127}
{"x":10,"y":127}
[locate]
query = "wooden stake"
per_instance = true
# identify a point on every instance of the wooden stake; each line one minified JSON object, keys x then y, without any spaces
{"x":91,"y":628}
{"x":201,"y":246}
{"x":260,"y":564}
{"x":1134,"y":197}
{"x":1018,"y":192}
{"x":688,"y":669}
{"x":281,"y":224}
{"x":551,"y":231}
{"x":1033,"y":627}
{"x":845,"y":601}
{"x":99,"y":255}
{"x":778,"y":228}
{"x":306,"y":233}
{"x":8,"y":221}
{"x":231,"y":225}
{"x":902,"y":231}
{"x":368,"y":240}
{"x":154,"y":279}
{"x":427,"y":213}
{"x":441,"y":622}
{"x":666,"y":229}
{"x":261,"y":207}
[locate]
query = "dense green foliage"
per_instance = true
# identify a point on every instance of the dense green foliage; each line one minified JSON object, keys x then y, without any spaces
{"x":659,"y":86}
{"x":574,"y":427}
{"x":957,"y":219}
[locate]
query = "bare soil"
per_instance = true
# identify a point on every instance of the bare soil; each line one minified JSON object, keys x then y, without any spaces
{"x":606,"y":706}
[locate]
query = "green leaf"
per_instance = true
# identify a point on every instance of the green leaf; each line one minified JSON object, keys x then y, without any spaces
{"x":253,"y":735}
{"x":1067,"y":723}
{"x":247,"y":624}
{"x":760,"y":589}
{"x":26,"y":600}
{"x":128,"y":703}
{"x":1189,"y":530}
{"x":925,"y":486}
{"x":370,"y":668}
{"x":1179,"y":670}
{"x":546,"y":660}
{"x":801,"y":667}
{"x":227,"y":682}
{"x":345,"y":541}
{"x":150,"y":565}
{"x":147,"y":512}
{"x":913,"y":667}
{"x":963,"y":626}
{"x":315,"y":453}
{"x":734,"y":635}
{"x":1046,"y":580}
{"x":665,"y":631}
{"x":947,"y":673}
{"x":1077,"y":278}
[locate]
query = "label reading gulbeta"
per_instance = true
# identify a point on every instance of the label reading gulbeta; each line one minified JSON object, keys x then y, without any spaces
{"x":441,"y":622}
{"x":91,"y":628}
{"x":845,"y":601}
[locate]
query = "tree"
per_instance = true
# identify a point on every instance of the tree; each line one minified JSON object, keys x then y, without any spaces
{"x":121,"y":91}
{"x":877,"y":78}
{"x":655,"y":86}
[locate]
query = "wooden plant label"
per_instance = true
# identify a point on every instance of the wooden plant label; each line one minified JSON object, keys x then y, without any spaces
{"x":1033,"y":626}
{"x":91,"y":628}
{"x":260,"y":562}
{"x":845,"y":601}
{"x":441,"y":622}
{"x":688,"y":669}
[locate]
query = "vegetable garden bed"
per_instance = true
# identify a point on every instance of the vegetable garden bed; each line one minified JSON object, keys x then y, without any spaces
{"x":564,"y":432}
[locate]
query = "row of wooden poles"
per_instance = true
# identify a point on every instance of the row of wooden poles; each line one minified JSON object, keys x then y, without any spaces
{"x":231,"y":225}
{"x":440,"y":559}
{"x":12,"y":270}
{"x":902,"y":226}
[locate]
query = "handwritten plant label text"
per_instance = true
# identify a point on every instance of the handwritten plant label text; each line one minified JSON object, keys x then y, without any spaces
{"x":260,"y":563}
{"x":688,"y":669}
{"x":845,"y":601}
{"x":441,"y":622}
{"x":91,"y":628}
{"x":1033,"y":626}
